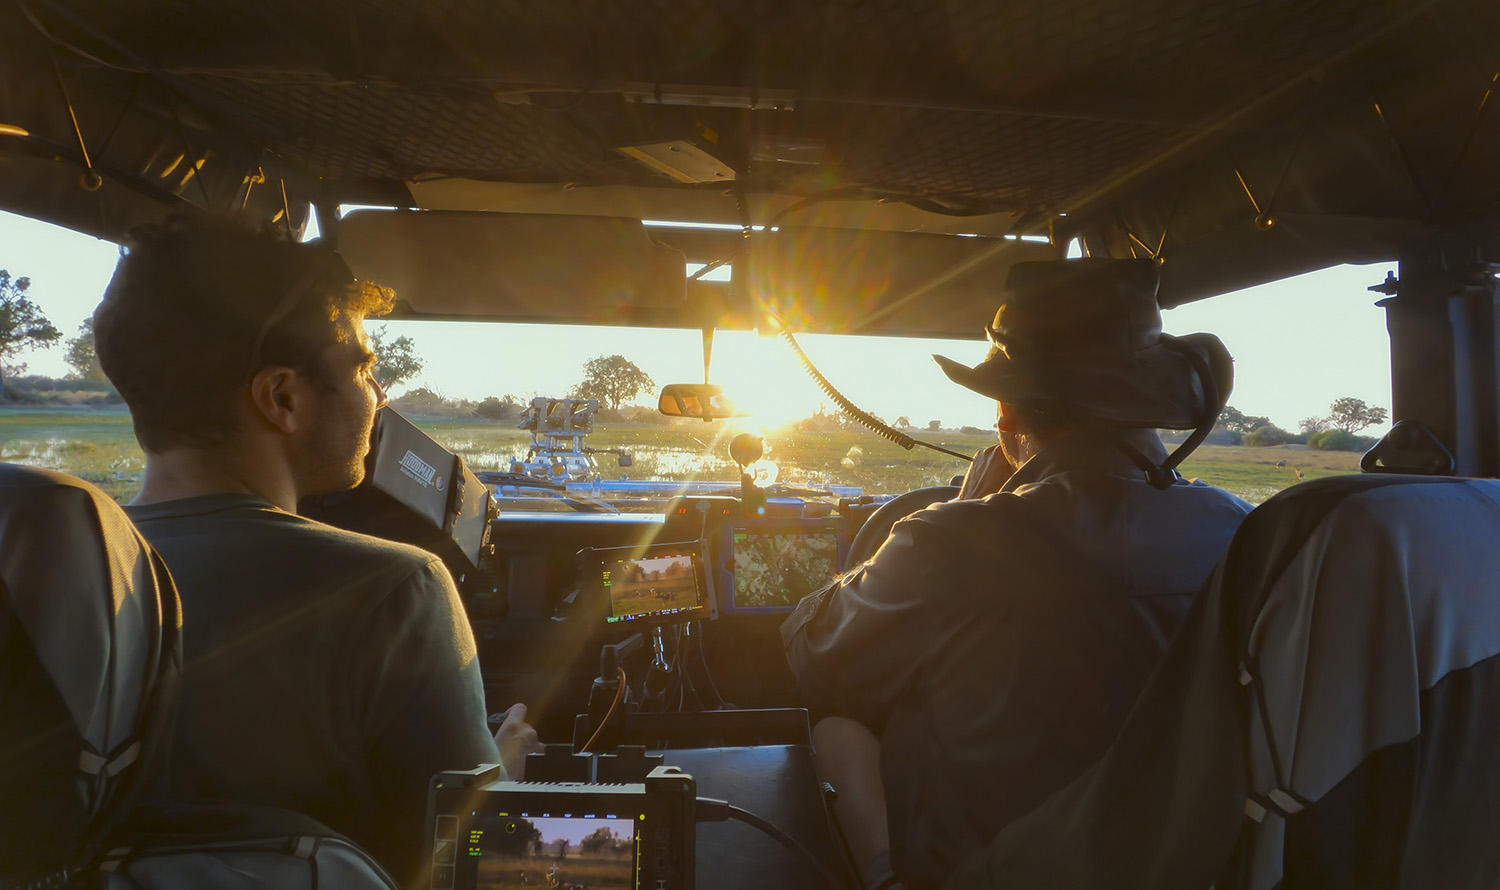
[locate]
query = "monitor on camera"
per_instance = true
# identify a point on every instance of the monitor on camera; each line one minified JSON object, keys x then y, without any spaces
{"x":653,"y":584}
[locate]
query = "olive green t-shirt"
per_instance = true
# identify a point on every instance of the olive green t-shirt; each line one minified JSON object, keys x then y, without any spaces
{"x":324,"y":671}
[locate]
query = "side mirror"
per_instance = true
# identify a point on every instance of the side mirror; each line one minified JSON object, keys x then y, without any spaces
{"x":704,"y":401}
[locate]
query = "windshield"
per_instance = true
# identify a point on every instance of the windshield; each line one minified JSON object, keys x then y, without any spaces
{"x":572,"y":409}
{"x":469,"y":385}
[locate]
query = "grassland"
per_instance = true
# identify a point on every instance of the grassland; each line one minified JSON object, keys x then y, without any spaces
{"x":592,"y":872}
{"x":98,"y":445}
{"x":654,"y":596}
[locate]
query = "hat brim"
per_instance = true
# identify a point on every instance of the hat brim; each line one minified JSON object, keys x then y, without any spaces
{"x":1159,"y":387}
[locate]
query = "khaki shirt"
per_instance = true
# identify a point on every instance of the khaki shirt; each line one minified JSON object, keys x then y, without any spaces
{"x":995,"y":645}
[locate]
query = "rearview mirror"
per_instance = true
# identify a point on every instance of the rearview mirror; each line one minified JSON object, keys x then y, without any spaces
{"x":704,"y":401}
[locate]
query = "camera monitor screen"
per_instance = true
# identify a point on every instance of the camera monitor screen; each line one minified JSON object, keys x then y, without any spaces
{"x":531,"y":850}
{"x":776,"y":566}
{"x":661,"y":582}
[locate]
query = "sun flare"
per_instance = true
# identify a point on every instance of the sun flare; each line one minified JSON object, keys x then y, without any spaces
{"x":761,"y":376}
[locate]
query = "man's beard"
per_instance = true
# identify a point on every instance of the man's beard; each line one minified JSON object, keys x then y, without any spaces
{"x":336,"y":450}
{"x":1016,"y":447}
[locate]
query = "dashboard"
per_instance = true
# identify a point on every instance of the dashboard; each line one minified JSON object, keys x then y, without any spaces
{"x":705,"y":583}
{"x":541,"y":611}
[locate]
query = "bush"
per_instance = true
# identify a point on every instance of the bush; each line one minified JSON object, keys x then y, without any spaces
{"x":1266,"y":436}
{"x":1338,"y":440}
{"x":971,"y":431}
{"x":822,"y":421}
{"x":38,"y":383}
{"x":426,"y":402}
{"x":508,"y":408}
{"x":37,"y":390}
{"x":1219,"y":435}
{"x":645,"y":415}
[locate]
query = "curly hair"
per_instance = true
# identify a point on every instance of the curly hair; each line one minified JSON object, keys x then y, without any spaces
{"x":198,"y":305}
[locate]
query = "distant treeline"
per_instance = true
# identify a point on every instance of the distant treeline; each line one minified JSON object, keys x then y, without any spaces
{"x":35,"y":389}
{"x":426,"y":403}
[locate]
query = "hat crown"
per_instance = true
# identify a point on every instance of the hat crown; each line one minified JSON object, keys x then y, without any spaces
{"x":1084,"y":337}
{"x":1098,"y":307}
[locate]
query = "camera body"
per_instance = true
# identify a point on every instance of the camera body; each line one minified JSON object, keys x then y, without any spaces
{"x":484,"y":832}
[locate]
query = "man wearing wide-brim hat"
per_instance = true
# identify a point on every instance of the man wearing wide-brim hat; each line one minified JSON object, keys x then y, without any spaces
{"x":989,"y":651}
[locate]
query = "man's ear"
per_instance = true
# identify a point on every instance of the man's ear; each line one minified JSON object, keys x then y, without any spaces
{"x":282,"y":398}
{"x":1005,"y":418}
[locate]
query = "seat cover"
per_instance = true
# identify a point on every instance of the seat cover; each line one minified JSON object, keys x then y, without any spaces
{"x":89,"y":660}
{"x":89,"y":664}
{"x":1327,"y":717}
{"x":1344,"y":649}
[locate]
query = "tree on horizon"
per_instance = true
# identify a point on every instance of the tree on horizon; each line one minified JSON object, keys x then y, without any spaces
{"x":613,"y":380}
{"x":396,"y":361}
{"x":1352,"y":415}
{"x":81,"y":357}
{"x":22,"y":324}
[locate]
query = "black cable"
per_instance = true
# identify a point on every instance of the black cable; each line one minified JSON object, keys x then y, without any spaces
{"x":707,"y":674}
{"x":710,"y":810}
{"x":853,"y":410}
{"x":687,"y":665}
{"x":677,"y":668}
{"x":830,"y":797}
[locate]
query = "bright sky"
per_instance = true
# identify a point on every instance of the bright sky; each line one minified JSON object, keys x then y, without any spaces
{"x":1298,"y":345}
{"x":576,"y":829}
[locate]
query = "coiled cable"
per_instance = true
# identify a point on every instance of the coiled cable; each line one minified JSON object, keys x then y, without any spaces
{"x":854,"y":411}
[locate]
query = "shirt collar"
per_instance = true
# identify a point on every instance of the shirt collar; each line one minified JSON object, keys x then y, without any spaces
{"x":200,"y":505}
{"x":1091,"y":451}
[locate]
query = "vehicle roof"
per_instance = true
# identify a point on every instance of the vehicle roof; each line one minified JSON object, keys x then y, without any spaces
{"x":1241,"y":141}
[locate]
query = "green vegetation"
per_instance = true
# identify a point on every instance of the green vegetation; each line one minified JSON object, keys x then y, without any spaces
{"x":35,"y":390}
{"x":1336,"y":432}
{"x":1352,"y":415}
{"x":396,"y":361}
{"x":613,"y":380}
{"x":82,"y":357}
{"x":98,"y":445}
{"x":1340,"y":440}
{"x":22,"y":324}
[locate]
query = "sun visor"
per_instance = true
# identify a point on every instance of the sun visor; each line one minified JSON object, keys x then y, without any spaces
{"x":517,"y":266}
{"x":573,"y":269}
{"x":845,"y":281}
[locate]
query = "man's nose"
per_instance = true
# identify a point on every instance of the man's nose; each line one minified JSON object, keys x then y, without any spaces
{"x":380,"y":397}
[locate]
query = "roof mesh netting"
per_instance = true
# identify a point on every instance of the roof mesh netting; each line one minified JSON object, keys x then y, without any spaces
{"x":1003,"y":105}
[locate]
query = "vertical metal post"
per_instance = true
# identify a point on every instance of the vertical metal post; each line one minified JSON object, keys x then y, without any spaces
{"x":1444,"y":327}
{"x":1465,"y":416}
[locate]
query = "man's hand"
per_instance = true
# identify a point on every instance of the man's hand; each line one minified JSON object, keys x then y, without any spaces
{"x":987,"y":474}
{"x":515,"y":738}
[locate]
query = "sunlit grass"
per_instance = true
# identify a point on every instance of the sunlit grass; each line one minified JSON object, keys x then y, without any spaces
{"x":94,"y":444}
{"x":98,"y":445}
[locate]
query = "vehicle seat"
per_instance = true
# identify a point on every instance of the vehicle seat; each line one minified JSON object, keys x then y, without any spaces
{"x":1369,"y":643}
{"x":1328,"y":717}
{"x":89,"y":663}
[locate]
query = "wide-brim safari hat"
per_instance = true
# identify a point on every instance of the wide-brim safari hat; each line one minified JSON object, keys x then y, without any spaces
{"x":1082,"y":338}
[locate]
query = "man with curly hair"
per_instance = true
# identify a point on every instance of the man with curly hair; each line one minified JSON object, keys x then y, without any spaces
{"x":324,"y":671}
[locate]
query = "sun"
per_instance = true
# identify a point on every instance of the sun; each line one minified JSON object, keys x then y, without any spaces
{"x":761,"y":376}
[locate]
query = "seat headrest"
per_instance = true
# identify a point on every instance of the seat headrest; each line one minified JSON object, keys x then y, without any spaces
{"x":89,"y":624}
{"x":1356,"y":596}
